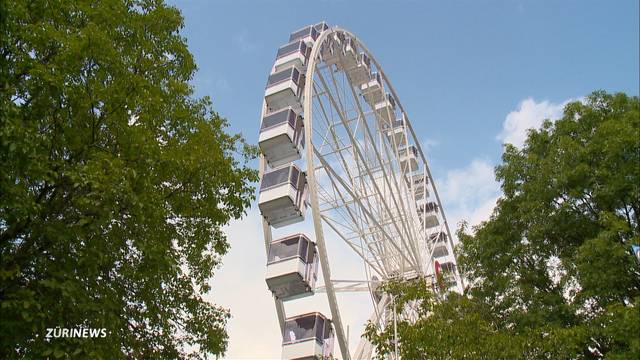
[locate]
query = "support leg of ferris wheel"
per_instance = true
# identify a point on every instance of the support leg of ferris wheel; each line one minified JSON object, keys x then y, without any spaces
{"x":317,"y":220}
{"x":322,"y":253}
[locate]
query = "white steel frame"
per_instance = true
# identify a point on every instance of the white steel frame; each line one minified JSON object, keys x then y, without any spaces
{"x":358,"y":189}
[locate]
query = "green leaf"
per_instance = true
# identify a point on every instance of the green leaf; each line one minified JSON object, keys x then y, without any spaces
{"x":57,"y":353}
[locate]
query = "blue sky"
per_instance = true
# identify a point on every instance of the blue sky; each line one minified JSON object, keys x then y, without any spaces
{"x":459,"y":66}
{"x":471,"y":75}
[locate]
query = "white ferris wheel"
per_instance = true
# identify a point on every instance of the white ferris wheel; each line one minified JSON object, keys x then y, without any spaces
{"x":335,"y":138}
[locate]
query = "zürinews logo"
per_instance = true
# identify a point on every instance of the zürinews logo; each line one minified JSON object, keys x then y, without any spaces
{"x":75,"y":333}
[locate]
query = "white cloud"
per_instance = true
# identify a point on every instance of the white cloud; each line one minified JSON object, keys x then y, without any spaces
{"x":469,"y":183}
{"x":530,"y":114}
{"x":469,"y":193}
{"x":483,"y":212}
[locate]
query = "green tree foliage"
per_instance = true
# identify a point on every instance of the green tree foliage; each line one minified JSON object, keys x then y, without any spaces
{"x":551,"y":274}
{"x":114,"y":183}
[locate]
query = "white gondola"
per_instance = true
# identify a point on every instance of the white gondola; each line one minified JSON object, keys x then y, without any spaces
{"x":420,"y":182}
{"x":438,"y":237}
{"x":283,"y":196}
{"x":440,"y":250}
{"x":284,"y":89}
{"x":339,"y":39}
{"x":438,"y":242}
{"x":428,"y":214}
{"x":386,"y":109}
{"x":430,"y":220}
{"x":420,"y":186}
{"x":292,"y":267}
{"x":333,"y":49}
{"x":281,"y":137}
{"x":331,"y":52}
{"x":321,"y":26}
{"x":408,"y":158}
{"x":447,"y":269}
{"x":446,"y":272}
{"x":349,"y":54}
{"x":396,"y":132}
{"x":308,"y":34}
{"x":292,"y":54}
{"x":372,"y":90}
{"x":308,"y":336}
{"x":361,"y":73}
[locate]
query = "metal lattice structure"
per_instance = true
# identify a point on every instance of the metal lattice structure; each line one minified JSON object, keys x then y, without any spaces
{"x":367,"y":178}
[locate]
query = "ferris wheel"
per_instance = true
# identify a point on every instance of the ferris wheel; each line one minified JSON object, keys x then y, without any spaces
{"x":335,"y":139}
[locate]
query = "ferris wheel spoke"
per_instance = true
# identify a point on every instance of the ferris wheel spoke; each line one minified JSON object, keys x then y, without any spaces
{"x":402,"y":207}
{"x":357,"y":248}
{"x":342,"y":109}
{"x":339,"y":152}
{"x":322,"y":133}
{"x":361,"y":115}
{"x":353,"y":216}
{"x":413,"y":262}
{"x":365,"y":211}
{"x":339,"y":145}
{"x":363,"y":233}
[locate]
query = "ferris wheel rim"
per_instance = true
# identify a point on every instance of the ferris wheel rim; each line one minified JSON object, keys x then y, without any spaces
{"x":311,"y":176}
{"x":313,"y":194}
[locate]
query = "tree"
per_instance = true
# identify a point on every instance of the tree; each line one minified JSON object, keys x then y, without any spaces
{"x":114,"y":183}
{"x":551,"y":274}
